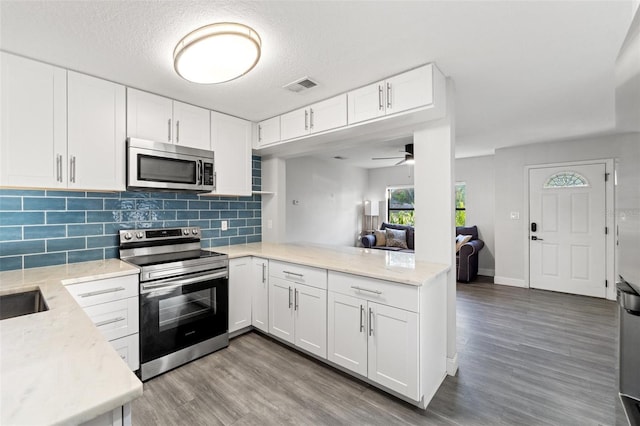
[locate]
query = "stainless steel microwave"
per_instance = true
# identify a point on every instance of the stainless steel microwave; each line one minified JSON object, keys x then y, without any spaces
{"x":156,"y":166}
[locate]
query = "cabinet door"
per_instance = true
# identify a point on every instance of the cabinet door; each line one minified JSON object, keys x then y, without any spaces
{"x":269,"y":131}
{"x":240,"y":280}
{"x":294,"y":124}
{"x":33,"y":138}
{"x":393,"y":349}
{"x":366,"y":103}
{"x":96,"y":133}
{"x":260,"y":296}
{"x":328,"y":114}
{"x":192,"y":126}
{"x":310,"y":307}
{"x":149,"y":116}
{"x":231,"y":143}
{"x":410,"y":90}
{"x":347,"y":332}
{"x":281,"y":317}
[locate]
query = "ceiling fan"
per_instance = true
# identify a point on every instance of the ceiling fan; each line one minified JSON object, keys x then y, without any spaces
{"x":407,"y":159}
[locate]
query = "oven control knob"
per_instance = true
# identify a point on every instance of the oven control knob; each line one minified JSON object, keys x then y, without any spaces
{"x":139,"y":235}
{"x":185,"y":231}
{"x":127,"y":236}
{"x":194,"y":231}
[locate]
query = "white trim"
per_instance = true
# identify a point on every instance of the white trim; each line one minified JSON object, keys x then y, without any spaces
{"x":452,"y":365}
{"x":513,"y":282}
{"x":486,"y":272}
{"x":610,"y":293}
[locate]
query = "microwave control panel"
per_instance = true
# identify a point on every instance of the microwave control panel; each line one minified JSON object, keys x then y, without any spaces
{"x":207,"y":176}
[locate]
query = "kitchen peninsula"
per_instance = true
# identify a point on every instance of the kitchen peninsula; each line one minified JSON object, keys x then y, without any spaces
{"x":380,"y":316}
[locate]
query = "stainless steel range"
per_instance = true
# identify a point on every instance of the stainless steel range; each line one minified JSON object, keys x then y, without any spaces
{"x":183,"y":296}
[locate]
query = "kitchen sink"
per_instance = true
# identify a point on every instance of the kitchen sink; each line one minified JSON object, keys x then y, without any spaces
{"x":25,"y":303}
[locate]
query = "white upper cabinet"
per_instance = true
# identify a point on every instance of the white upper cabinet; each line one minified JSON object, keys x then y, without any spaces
{"x":231,"y":143}
{"x":96,"y":133}
{"x":319,"y":117}
{"x":403,"y":92}
{"x":33,"y":138}
{"x":161,"y":119}
{"x":149,"y":116}
{"x":191,"y":126}
{"x":268,"y":131}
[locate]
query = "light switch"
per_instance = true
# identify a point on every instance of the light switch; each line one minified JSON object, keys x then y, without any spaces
{"x":515,"y":215}
{"x":224,"y":226}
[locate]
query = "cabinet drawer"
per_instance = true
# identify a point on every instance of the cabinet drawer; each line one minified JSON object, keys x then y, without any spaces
{"x":128,"y":348}
{"x":101,"y":291}
{"x":115,"y":319}
{"x":308,"y":275}
{"x":384,"y":292}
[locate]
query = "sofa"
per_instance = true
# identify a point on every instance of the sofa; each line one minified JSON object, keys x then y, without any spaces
{"x":467,"y":256}
{"x":370,"y":241}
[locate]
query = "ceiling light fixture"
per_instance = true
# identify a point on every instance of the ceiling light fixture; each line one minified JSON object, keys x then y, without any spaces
{"x":217,"y":53}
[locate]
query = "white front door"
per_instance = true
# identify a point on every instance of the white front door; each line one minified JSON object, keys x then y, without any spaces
{"x":567,"y":229}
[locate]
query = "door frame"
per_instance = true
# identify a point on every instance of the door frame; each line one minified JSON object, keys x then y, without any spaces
{"x":610,"y":223}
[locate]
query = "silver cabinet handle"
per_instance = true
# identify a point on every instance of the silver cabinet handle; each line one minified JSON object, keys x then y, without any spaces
{"x":289,"y":297}
{"x":109,"y":321}
{"x":388,"y":95}
{"x":380,"y":104}
{"x":72,"y":169}
{"x":58,"y":168}
{"x":370,"y":322}
{"x":259,"y":133}
{"x":311,"y":118}
{"x":177,"y":131}
{"x":295,"y":298}
{"x":306,"y":119}
{"x":264,"y":272}
{"x":169,"y":130}
{"x":361,"y":319}
{"x":355,"y":287}
{"x":293,"y":273}
{"x":98,"y":292}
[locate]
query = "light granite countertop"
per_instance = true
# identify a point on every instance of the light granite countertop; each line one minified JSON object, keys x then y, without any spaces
{"x":381,"y":264}
{"x":55,"y":366}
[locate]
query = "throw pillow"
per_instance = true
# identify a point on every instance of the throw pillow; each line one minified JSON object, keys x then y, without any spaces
{"x":381,"y":238}
{"x":461,"y":240}
{"x":396,"y":238}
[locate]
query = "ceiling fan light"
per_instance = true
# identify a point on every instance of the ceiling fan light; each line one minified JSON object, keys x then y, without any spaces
{"x":217,"y":53}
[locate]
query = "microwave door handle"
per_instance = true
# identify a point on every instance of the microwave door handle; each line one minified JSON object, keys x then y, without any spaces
{"x":199,"y":172}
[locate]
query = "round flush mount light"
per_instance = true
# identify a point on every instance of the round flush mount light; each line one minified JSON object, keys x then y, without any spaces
{"x":217,"y":53}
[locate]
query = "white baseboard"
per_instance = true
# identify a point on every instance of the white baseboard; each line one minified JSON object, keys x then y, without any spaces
{"x":513,"y":282}
{"x":452,"y":365}
{"x":486,"y":272}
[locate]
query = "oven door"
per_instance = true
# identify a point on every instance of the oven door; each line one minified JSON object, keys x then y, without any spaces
{"x":180,"y":312}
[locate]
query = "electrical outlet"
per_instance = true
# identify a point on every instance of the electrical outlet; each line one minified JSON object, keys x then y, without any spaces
{"x":224,"y":226}
{"x":515,"y":215}
{"x":269,"y":224}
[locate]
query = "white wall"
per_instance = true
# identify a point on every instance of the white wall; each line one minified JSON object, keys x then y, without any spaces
{"x":329,"y":196}
{"x":510,"y":234}
{"x":381,"y":178}
{"x":478,"y":174}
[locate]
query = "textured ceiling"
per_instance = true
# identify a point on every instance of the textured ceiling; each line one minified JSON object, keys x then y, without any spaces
{"x":524,"y":71}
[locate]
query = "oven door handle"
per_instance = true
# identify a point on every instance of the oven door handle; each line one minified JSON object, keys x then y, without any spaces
{"x":172,"y":283}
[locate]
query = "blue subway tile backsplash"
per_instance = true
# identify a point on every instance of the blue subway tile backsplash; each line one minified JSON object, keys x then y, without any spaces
{"x":43,"y":228}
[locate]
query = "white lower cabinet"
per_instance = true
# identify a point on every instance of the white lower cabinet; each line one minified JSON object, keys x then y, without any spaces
{"x":113,"y":306}
{"x":260,"y":294}
{"x":120,"y":416}
{"x":298,"y":312}
{"x":240,"y":287}
{"x":372,"y":339}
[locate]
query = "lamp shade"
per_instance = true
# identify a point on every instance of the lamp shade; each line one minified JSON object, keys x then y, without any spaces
{"x":217,"y":53}
{"x":371,"y":208}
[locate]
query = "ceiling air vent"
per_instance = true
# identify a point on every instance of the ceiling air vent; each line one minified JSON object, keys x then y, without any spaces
{"x":300,"y":85}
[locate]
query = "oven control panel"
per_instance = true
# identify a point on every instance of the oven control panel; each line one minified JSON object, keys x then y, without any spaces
{"x":159,"y":234}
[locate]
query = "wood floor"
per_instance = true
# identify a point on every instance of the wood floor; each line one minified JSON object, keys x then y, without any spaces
{"x":526,"y":357}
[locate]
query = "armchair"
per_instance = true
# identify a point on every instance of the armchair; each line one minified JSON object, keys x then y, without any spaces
{"x":467,"y":256}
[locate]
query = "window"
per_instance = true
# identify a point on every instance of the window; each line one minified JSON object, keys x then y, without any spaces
{"x":400,"y":206}
{"x":566,"y":180}
{"x":461,"y":209}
